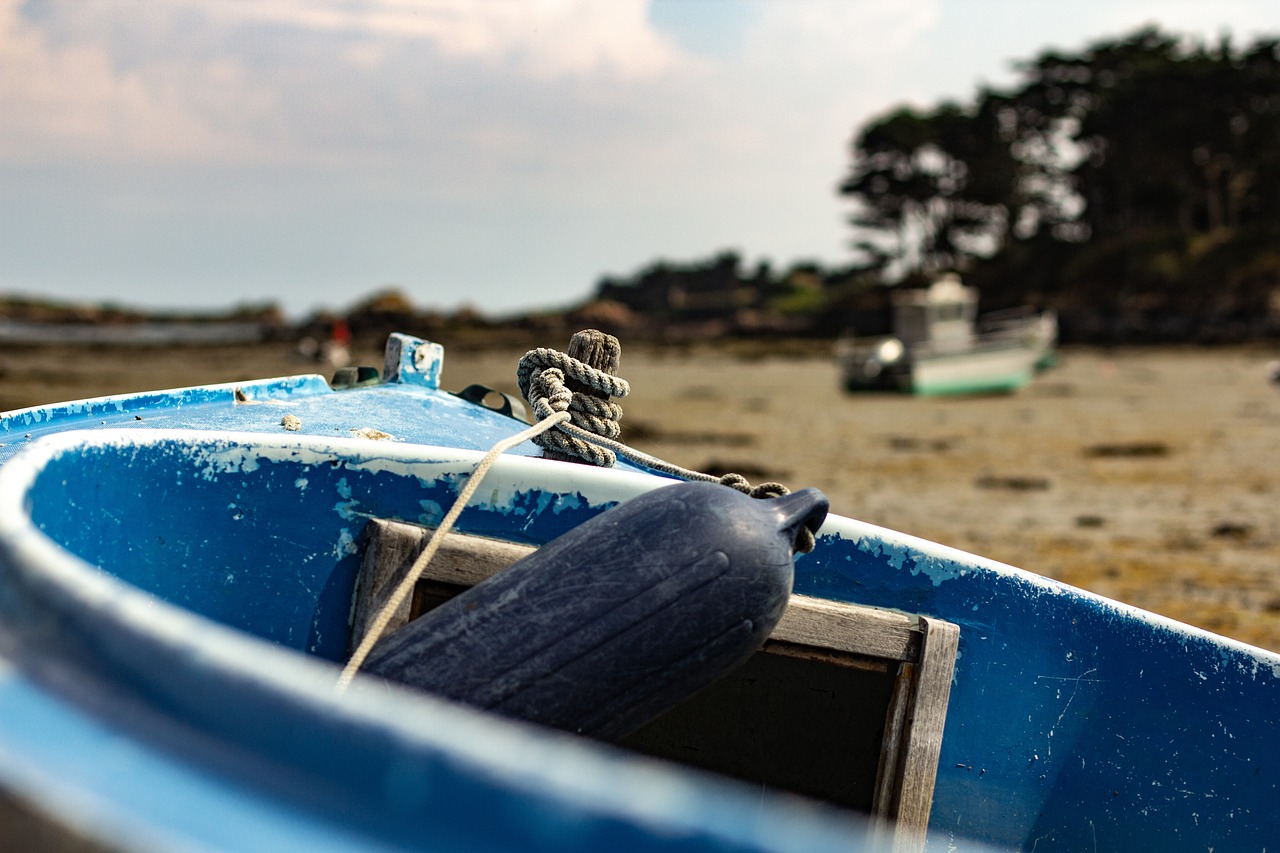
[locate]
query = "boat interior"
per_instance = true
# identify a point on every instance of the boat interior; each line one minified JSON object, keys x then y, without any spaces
{"x":869,"y":686}
{"x":844,"y":704}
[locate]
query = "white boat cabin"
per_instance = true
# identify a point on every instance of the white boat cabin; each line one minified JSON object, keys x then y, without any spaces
{"x":940,"y":317}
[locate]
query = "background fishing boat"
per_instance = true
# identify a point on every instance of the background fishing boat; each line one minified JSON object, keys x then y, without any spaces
{"x":937,"y":346}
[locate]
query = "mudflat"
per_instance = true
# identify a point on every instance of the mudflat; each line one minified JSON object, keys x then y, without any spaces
{"x":1151,"y":476}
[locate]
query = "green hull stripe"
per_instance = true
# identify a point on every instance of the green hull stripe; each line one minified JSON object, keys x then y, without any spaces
{"x":975,"y":385}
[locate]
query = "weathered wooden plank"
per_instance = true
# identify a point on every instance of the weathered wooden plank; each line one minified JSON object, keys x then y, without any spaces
{"x":467,"y":560}
{"x":932,"y":692}
{"x":849,"y":628}
{"x":891,"y":748}
{"x":387,"y":556}
{"x":391,"y":548}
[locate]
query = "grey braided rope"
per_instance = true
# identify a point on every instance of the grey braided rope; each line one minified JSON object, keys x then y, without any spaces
{"x":541,"y":377}
{"x":591,"y":433}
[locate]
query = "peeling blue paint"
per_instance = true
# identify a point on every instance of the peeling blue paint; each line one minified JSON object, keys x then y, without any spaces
{"x":1074,"y":721}
{"x":1051,"y":724}
{"x":1076,"y":706}
{"x":432,"y":513}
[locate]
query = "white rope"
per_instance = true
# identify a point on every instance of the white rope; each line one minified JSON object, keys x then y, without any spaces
{"x":433,"y":544}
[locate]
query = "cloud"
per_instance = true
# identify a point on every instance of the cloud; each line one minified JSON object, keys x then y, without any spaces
{"x":547,"y":38}
{"x":264,"y":80}
{"x":59,"y":100}
{"x":465,"y":97}
{"x":806,"y":74}
{"x":487,"y":144}
{"x":869,"y":32}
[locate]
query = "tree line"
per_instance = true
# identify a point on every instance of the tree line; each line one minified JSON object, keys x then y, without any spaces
{"x":1133,"y":185}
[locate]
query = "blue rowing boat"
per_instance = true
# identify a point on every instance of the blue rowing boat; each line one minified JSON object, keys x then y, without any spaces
{"x":183,"y":575}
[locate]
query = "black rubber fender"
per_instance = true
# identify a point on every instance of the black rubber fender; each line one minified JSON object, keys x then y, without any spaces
{"x":621,"y":618}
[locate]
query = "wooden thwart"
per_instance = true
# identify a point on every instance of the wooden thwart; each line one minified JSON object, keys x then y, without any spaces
{"x":917,"y":653}
{"x":391,"y":547}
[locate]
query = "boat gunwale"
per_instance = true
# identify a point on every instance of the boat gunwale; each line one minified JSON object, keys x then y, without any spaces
{"x":937,"y":563}
{"x":46,"y":414}
{"x":537,"y":764}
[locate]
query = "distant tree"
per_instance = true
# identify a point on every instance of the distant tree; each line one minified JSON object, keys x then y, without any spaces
{"x":930,"y":189}
{"x":1148,"y":132}
{"x":1116,"y":172}
{"x":1157,"y":137}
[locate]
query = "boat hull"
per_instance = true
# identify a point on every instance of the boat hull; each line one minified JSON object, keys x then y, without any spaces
{"x":128,"y":656}
{"x":998,"y":369}
{"x":175,"y":603}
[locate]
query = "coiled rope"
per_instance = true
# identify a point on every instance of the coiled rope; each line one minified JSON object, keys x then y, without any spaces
{"x":546,"y":378}
{"x":543,"y":375}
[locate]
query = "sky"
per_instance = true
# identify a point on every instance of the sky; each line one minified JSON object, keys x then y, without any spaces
{"x":498,"y":154}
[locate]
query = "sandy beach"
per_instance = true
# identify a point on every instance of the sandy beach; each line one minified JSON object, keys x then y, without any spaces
{"x":1146,"y":475}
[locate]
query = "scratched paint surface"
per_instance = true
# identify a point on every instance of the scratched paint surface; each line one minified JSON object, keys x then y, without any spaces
{"x":265,"y":538}
{"x":406,"y":413}
{"x":1076,"y":723}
